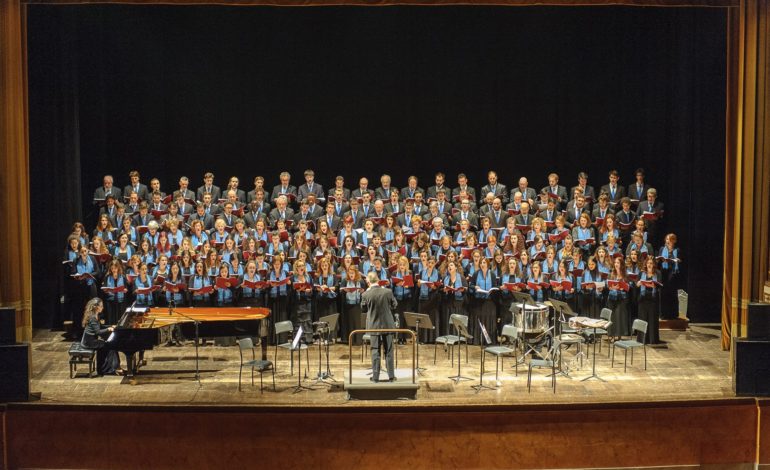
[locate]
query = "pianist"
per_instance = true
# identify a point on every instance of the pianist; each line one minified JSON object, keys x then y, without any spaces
{"x":107,"y":361}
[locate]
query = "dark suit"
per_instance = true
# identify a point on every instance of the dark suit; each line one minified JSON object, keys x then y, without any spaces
{"x":597,"y":212}
{"x":358,"y":218}
{"x":142,"y":192}
{"x":316,"y":211}
{"x":358,"y":194}
{"x":186,"y":209}
{"x":383,"y":194}
{"x":433,"y":190}
{"x":188,"y":194}
{"x":633,"y":192}
{"x":500,"y":191}
{"x":498,"y":219}
{"x":406,"y":193}
{"x":277,"y":192}
{"x":216,"y":193}
{"x":588,"y":192}
{"x":335,"y":224}
{"x":521,"y":220}
{"x":100,"y":193}
{"x":214,"y":210}
{"x":275,"y":214}
{"x":571,"y":217}
{"x":473,"y":219}
{"x":138,"y":220}
{"x":318,"y":190}
{"x":207,"y":220}
{"x":561,"y":191}
{"x":239,"y":195}
{"x":620,"y":193}
{"x":250,"y":218}
{"x":390,"y":209}
{"x":345,"y":193}
{"x":379,"y":304}
{"x":471,"y":192}
{"x":526,"y":195}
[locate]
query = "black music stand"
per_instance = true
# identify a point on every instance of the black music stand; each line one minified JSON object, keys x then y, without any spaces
{"x":296,"y":344}
{"x":417,"y":321}
{"x":484,"y":337}
{"x":560,"y":309}
{"x":593,"y":369}
{"x":171,"y":310}
{"x":461,"y":331}
{"x":324,"y":327}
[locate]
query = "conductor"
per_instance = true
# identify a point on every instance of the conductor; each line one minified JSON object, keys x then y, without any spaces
{"x":379,"y":304}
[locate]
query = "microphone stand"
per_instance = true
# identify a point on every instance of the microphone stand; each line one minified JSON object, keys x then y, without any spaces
{"x":171,"y":311}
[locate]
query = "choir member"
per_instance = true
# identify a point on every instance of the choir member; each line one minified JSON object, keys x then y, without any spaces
{"x":669,"y":257}
{"x":302,"y":300}
{"x":430,"y":298}
{"x":649,"y":298}
{"x":115,"y":302}
{"x":352,"y":286}
{"x":617,"y":300}
{"x":484,"y":310}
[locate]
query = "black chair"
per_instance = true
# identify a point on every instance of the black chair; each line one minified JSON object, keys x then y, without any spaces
{"x":287,"y":327}
{"x":81,"y":355}
{"x":260,"y":366}
{"x":638,"y":332}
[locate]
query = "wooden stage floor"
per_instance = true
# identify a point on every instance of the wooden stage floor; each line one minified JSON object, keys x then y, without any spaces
{"x":691,"y":366}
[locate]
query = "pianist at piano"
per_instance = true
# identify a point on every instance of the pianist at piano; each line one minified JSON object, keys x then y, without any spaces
{"x":107,"y":361}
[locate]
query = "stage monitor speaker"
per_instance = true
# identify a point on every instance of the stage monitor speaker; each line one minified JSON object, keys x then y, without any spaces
{"x":14,"y":372}
{"x":7,"y":326}
{"x":758,"y":321}
{"x":750,"y":377}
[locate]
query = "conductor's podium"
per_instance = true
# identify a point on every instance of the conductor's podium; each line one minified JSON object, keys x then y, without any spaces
{"x":359,"y":385}
{"x":362,"y":388}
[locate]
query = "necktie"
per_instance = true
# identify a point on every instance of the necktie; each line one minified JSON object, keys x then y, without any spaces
{"x":612,"y":192}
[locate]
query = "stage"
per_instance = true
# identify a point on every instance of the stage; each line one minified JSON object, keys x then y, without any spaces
{"x":689,"y":366}
{"x":680,"y":412}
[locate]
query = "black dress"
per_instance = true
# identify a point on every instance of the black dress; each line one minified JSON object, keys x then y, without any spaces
{"x":107,"y":361}
{"x":649,"y":300}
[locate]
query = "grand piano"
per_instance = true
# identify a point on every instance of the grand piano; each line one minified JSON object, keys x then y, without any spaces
{"x":143,"y":328}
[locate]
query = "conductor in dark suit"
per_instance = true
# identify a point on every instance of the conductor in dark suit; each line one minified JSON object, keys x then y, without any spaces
{"x":379,"y":304}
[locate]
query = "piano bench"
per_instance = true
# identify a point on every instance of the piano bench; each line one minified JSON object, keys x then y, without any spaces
{"x":80,"y":355}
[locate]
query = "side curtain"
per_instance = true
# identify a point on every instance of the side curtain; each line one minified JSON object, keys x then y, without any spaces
{"x":15,"y":249}
{"x":747,"y":167}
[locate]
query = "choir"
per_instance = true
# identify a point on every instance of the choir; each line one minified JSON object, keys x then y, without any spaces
{"x":304,"y":251}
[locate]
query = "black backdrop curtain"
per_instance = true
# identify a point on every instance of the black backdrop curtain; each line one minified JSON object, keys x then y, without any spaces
{"x":404,"y":90}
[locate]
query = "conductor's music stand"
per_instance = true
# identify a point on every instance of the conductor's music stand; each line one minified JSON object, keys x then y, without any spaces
{"x":484,"y":337}
{"x":417,"y":321}
{"x":295,"y":346}
{"x":461,"y":330}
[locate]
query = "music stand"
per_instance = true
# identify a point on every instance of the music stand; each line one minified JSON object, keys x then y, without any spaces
{"x":417,"y":321}
{"x":461,"y":331}
{"x":325,"y":326}
{"x":484,"y":337}
{"x":295,"y":346}
{"x":523,"y":298}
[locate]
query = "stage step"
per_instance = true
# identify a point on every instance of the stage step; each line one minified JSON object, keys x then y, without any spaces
{"x":675,"y":324}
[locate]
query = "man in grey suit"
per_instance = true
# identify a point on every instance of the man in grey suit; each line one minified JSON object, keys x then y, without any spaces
{"x":379,"y":304}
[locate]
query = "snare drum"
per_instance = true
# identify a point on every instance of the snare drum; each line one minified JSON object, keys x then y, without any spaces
{"x":534,"y":318}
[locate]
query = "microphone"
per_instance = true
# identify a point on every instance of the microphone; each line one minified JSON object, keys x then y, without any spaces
{"x":171,"y":306}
